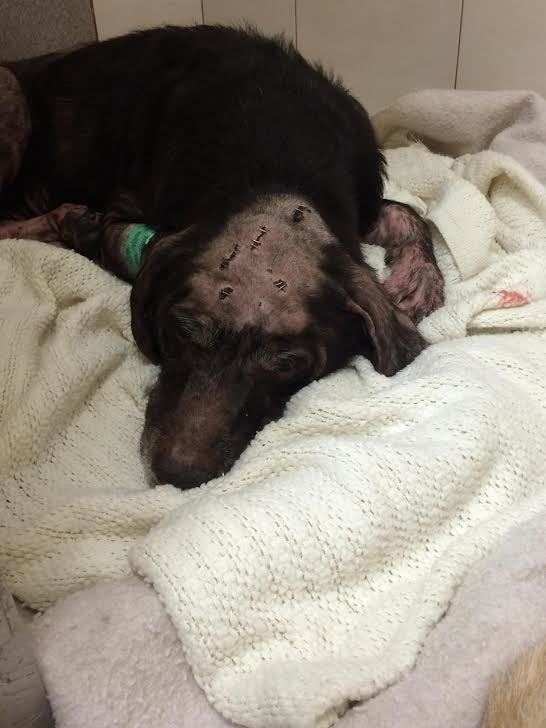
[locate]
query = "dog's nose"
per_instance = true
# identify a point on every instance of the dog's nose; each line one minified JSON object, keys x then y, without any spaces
{"x":169,"y":470}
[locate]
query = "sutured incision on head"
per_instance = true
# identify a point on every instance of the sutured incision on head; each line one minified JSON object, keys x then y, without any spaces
{"x":280,"y":284}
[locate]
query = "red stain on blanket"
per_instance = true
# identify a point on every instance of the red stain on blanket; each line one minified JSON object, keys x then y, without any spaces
{"x":511,"y":299}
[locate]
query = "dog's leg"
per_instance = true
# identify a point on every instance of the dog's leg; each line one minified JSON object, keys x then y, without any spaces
{"x":15,"y":127}
{"x":415,"y":283}
{"x":46,"y":228}
{"x":102,"y":237}
{"x":98,"y":236}
{"x":92,"y":234}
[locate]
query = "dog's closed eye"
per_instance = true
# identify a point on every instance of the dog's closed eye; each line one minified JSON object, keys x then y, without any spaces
{"x":289,"y":362}
{"x":192,"y":327}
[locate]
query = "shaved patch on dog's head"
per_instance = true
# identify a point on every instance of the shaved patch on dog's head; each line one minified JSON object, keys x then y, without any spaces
{"x":263,"y":267}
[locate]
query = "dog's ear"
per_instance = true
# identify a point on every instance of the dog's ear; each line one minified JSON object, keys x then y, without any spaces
{"x":149,"y":291}
{"x":143,"y":309}
{"x":392,"y":336}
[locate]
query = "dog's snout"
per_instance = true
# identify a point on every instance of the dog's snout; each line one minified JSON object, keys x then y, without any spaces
{"x":169,"y":470}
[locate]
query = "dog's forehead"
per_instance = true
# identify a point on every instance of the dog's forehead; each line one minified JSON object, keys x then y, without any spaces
{"x":262,"y":268}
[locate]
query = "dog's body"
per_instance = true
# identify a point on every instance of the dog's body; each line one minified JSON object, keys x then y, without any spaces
{"x":192,"y":122}
{"x":260,"y":175}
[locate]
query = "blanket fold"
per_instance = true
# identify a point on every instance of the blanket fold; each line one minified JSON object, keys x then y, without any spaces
{"x":461,"y":122}
{"x":116,"y":630}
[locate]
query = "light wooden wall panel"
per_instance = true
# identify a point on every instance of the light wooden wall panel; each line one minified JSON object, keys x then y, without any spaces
{"x":383,"y":48}
{"x":115,"y":17}
{"x":269,"y":16}
{"x":503,"y":45}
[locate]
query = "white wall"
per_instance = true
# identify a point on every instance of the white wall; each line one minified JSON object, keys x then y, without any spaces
{"x":503,"y":45}
{"x":381,"y":48}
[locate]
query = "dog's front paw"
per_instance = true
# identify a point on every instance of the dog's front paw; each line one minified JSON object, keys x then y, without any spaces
{"x":416,"y":285}
{"x":81,"y":229}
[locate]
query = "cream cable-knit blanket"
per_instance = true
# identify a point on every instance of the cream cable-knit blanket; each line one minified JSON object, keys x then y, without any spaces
{"x":310,"y":574}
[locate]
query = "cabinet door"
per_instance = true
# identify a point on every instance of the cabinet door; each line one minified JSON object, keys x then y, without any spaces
{"x":503,"y":45}
{"x":115,"y":17}
{"x":382,"y":49}
{"x":269,"y":16}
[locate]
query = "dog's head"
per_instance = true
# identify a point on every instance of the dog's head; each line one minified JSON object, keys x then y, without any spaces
{"x":240,"y":318}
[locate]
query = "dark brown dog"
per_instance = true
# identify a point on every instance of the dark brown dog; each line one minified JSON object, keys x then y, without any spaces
{"x":260,"y":176}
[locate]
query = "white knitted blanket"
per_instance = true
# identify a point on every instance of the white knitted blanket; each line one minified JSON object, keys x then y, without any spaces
{"x":310,"y":574}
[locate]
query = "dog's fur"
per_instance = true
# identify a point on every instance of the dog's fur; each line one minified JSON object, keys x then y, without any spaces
{"x":518,"y":696}
{"x":261,"y":174}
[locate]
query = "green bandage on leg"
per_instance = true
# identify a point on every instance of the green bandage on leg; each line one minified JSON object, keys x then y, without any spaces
{"x":136,"y":239}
